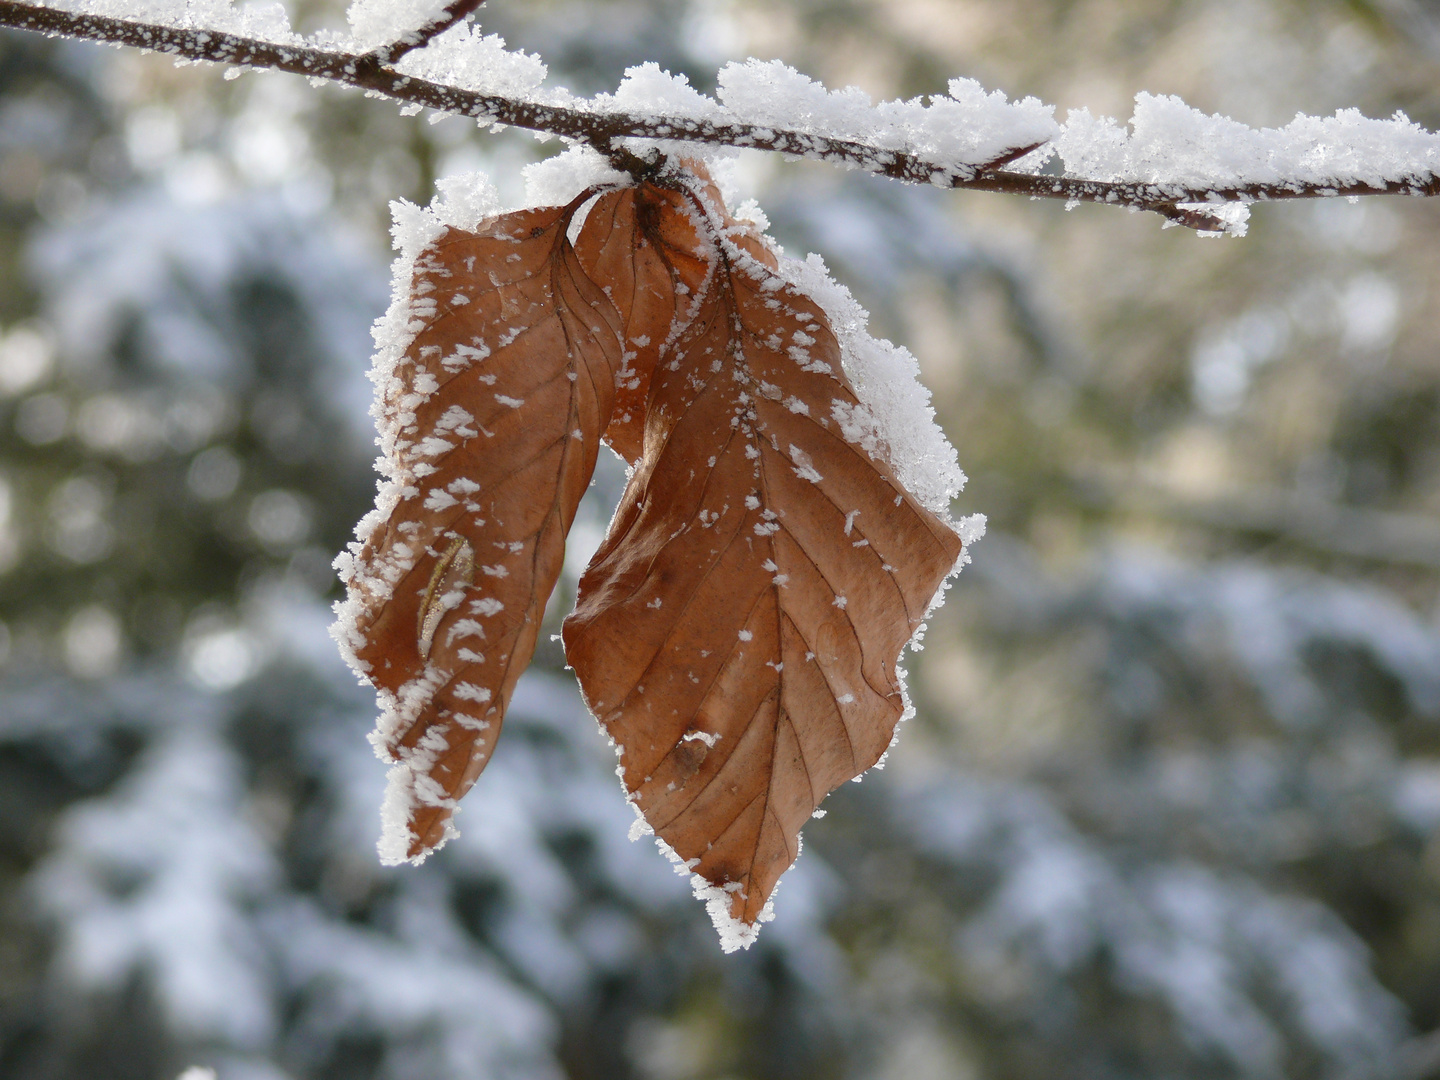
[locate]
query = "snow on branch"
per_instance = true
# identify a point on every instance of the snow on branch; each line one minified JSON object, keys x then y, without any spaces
{"x":1193,"y":169}
{"x":405,"y":40}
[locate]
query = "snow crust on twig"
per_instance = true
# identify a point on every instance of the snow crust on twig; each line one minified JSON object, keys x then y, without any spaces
{"x":1196,"y":170}
{"x":374,"y":23}
{"x":959,"y":129}
{"x":1173,"y":147}
{"x":466,"y":58}
{"x":1170,"y":143}
{"x":269,"y":22}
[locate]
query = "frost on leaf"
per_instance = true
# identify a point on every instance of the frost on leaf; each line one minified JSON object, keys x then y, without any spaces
{"x":490,"y":424}
{"x":648,"y":261}
{"x":737,"y":633}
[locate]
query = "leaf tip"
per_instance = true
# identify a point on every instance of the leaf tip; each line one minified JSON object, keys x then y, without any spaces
{"x":399,"y":842}
{"x":734,"y":934}
{"x":719,"y":900}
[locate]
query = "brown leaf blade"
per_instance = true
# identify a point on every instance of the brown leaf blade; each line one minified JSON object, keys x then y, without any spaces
{"x":653,"y":279}
{"x":491,"y":423}
{"x":737,"y":633}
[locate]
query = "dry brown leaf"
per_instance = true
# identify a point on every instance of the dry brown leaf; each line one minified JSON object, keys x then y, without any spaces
{"x":496,"y":413}
{"x":653,"y":280}
{"x":737,"y":633}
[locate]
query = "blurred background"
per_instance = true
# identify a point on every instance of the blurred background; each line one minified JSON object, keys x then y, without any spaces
{"x":1170,"y":805}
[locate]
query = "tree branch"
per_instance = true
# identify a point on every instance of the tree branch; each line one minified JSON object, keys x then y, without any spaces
{"x":386,"y":55}
{"x":602,"y":128}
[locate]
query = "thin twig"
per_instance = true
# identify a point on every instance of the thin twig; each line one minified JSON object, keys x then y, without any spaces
{"x":387,"y":55}
{"x":604,"y":128}
{"x":1008,"y":157}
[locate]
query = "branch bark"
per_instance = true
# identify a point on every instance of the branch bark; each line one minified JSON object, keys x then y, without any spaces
{"x":387,"y":55}
{"x":603,"y":129}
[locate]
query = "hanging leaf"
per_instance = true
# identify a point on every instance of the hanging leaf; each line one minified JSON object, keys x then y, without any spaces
{"x":646,"y":260}
{"x":491,"y":424}
{"x":737,"y":632}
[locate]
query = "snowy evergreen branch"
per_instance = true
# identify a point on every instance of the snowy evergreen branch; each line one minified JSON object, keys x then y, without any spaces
{"x":1307,"y":159}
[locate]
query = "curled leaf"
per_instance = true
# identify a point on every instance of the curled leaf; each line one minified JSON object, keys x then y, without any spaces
{"x":737,"y":633}
{"x":491,"y":422}
{"x":639,"y":243}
